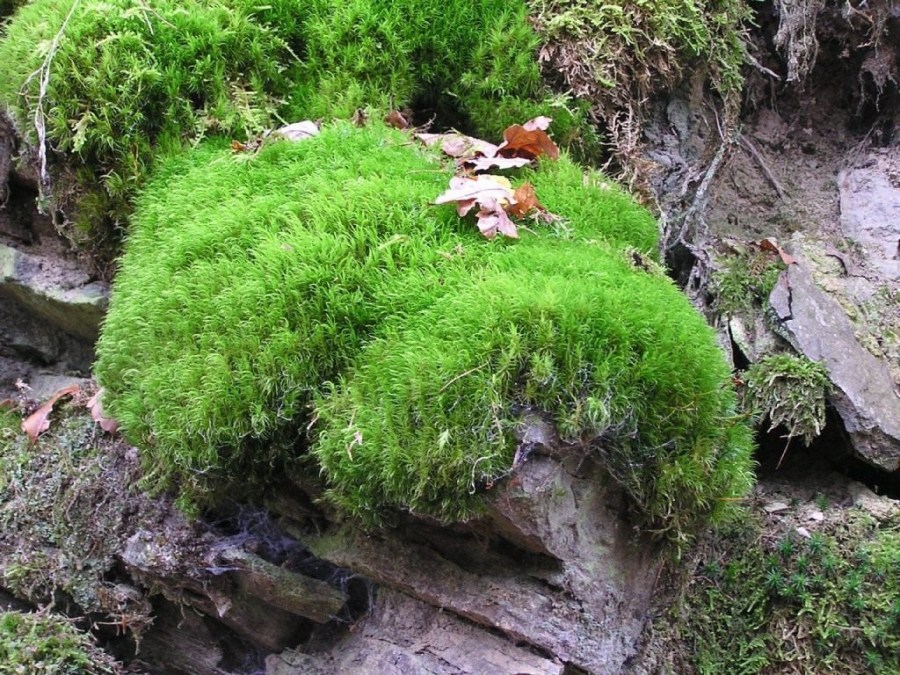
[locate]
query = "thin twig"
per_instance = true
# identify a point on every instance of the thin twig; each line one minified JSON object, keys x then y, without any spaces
{"x":44,"y":73}
{"x":750,"y":148}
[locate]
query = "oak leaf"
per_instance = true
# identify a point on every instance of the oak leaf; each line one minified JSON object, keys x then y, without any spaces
{"x":528,"y":140}
{"x":95,"y":405}
{"x":39,"y":421}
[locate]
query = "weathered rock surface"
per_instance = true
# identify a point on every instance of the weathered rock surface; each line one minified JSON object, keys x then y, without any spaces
{"x":577,"y":584}
{"x":870,"y":209}
{"x":50,"y":311}
{"x":403,"y":636}
{"x":864,"y":394}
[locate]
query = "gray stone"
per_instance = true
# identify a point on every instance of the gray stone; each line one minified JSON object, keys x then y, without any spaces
{"x":577,"y":583}
{"x":870,"y":209}
{"x":50,"y":310}
{"x":404,"y":636}
{"x":863,"y":393}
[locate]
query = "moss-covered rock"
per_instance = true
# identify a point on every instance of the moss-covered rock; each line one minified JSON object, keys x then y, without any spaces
{"x":116,"y":84}
{"x":251,"y":282}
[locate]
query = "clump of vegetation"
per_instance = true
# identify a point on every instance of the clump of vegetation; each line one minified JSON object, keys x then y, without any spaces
{"x":48,"y":643}
{"x":55,"y":508}
{"x":125,"y":81}
{"x":618,"y":54}
{"x":791,"y":391}
{"x":250,"y":282}
{"x":114,"y":85}
{"x":827,"y":603}
{"x":746,"y":279}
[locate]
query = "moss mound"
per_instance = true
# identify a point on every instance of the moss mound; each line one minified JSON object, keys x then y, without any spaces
{"x":46,"y":643}
{"x":249,"y":283}
{"x":128,"y":81}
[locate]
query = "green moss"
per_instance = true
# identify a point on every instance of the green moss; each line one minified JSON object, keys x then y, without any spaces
{"x":789,"y":390}
{"x":745,"y":280}
{"x":47,"y":643}
{"x":250,"y":282}
{"x":131,"y":81}
{"x":828,"y":603}
{"x":635,"y":45}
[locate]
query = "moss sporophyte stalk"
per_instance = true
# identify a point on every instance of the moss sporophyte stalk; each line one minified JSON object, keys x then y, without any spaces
{"x":317,"y":281}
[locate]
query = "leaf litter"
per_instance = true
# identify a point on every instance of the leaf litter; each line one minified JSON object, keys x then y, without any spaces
{"x":498,"y":203}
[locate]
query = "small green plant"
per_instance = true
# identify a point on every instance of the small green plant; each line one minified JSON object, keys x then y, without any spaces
{"x":48,"y":643}
{"x":791,"y":391}
{"x":837,"y":592}
{"x":320,"y":273}
{"x":745,"y":280}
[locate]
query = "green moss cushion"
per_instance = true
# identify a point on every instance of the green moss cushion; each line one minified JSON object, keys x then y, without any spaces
{"x":316,"y":281}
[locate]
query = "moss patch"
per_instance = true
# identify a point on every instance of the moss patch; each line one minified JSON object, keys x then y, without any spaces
{"x":827,"y":603}
{"x":60,"y":526}
{"x":250,"y":283}
{"x":129,"y":81}
{"x":46,"y":643}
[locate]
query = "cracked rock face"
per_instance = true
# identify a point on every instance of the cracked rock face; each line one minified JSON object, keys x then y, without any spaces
{"x":870,"y":209}
{"x":50,"y":312}
{"x":864,"y":393}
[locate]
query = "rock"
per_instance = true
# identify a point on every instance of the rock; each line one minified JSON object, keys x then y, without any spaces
{"x":870,"y":209}
{"x":49,"y":310}
{"x":863,"y":391}
{"x":776,"y":507}
{"x":403,"y":636}
{"x":881,"y":508}
{"x":567,"y":577}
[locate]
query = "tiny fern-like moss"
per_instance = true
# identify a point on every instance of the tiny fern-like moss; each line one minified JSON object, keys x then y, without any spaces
{"x":317,"y":281}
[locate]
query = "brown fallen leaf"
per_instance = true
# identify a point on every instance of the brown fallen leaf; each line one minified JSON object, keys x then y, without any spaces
{"x":524,"y":201}
{"x":39,"y":421}
{"x":397,"y":119}
{"x":237,"y":146}
{"x":528,"y":140}
{"x":771,"y":244}
{"x":477,"y":189}
{"x":493,"y":219}
{"x":95,"y":405}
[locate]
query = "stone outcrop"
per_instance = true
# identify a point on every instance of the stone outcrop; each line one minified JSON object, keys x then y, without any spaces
{"x":50,"y":310}
{"x":864,"y":394}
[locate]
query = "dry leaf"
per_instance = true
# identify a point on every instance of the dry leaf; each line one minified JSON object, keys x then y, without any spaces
{"x":486,"y":163}
{"x":397,"y":119}
{"x":492,"y":219}
{"x":39,"y":421}
{"x":771,"y":244}
{"x":359,"y":118}
{"x":478,"y":189}
{"x":298,"y":131}
{"x":524,"y":201}
{"x":108,"y":424}
{"x":237,"y":146}
{"x":429,"y":139}
{"x":528,"y":140}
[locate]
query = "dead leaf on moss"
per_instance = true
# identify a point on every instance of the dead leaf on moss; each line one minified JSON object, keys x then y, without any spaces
{"x":39,"y":421}
{"x":478,"y":189}
{"x":492,"y":219}
{"x":397,"y":119}
{"x":487,"y":163}
{"x":528,"y":140}
{"x":298,"y":131}
{"x":95,"y":405}
{"x":524,"y":201}
{"x":359,"y":118}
